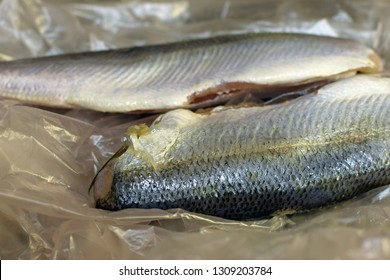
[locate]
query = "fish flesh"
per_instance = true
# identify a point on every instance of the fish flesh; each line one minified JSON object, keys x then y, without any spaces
{"x":187,"y":74}
{"x":252,"y":162}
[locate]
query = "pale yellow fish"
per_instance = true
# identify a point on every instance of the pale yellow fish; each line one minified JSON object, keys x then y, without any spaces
{"x":183,"y":74}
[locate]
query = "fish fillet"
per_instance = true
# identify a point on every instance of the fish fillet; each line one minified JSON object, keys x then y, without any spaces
{"x":183,"y":74}
{"x":251,"y":162}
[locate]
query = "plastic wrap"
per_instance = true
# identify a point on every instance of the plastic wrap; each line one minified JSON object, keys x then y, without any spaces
{"x":49,"y":157}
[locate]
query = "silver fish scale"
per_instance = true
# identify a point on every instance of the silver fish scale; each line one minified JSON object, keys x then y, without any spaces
{"x":252,"y":162}
{"x":257,"y":185}
{"x":164,"y":77}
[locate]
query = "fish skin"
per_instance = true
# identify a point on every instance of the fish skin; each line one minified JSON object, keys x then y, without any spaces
{"x":252,"y":162}
{"x":188,"y":74}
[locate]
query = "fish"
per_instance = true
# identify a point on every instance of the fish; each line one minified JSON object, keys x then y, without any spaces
{"x":186,"y":74}
{"x":244,"y":163}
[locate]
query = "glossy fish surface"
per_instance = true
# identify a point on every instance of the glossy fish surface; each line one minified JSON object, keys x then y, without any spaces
{"x":186,"y":74}
{"x":250,"y":162}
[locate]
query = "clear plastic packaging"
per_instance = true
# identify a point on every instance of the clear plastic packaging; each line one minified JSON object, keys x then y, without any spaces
{"x":49,"y":157}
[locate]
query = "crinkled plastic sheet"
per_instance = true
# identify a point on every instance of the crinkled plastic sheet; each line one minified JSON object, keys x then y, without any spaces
{"x":48,"y":157}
